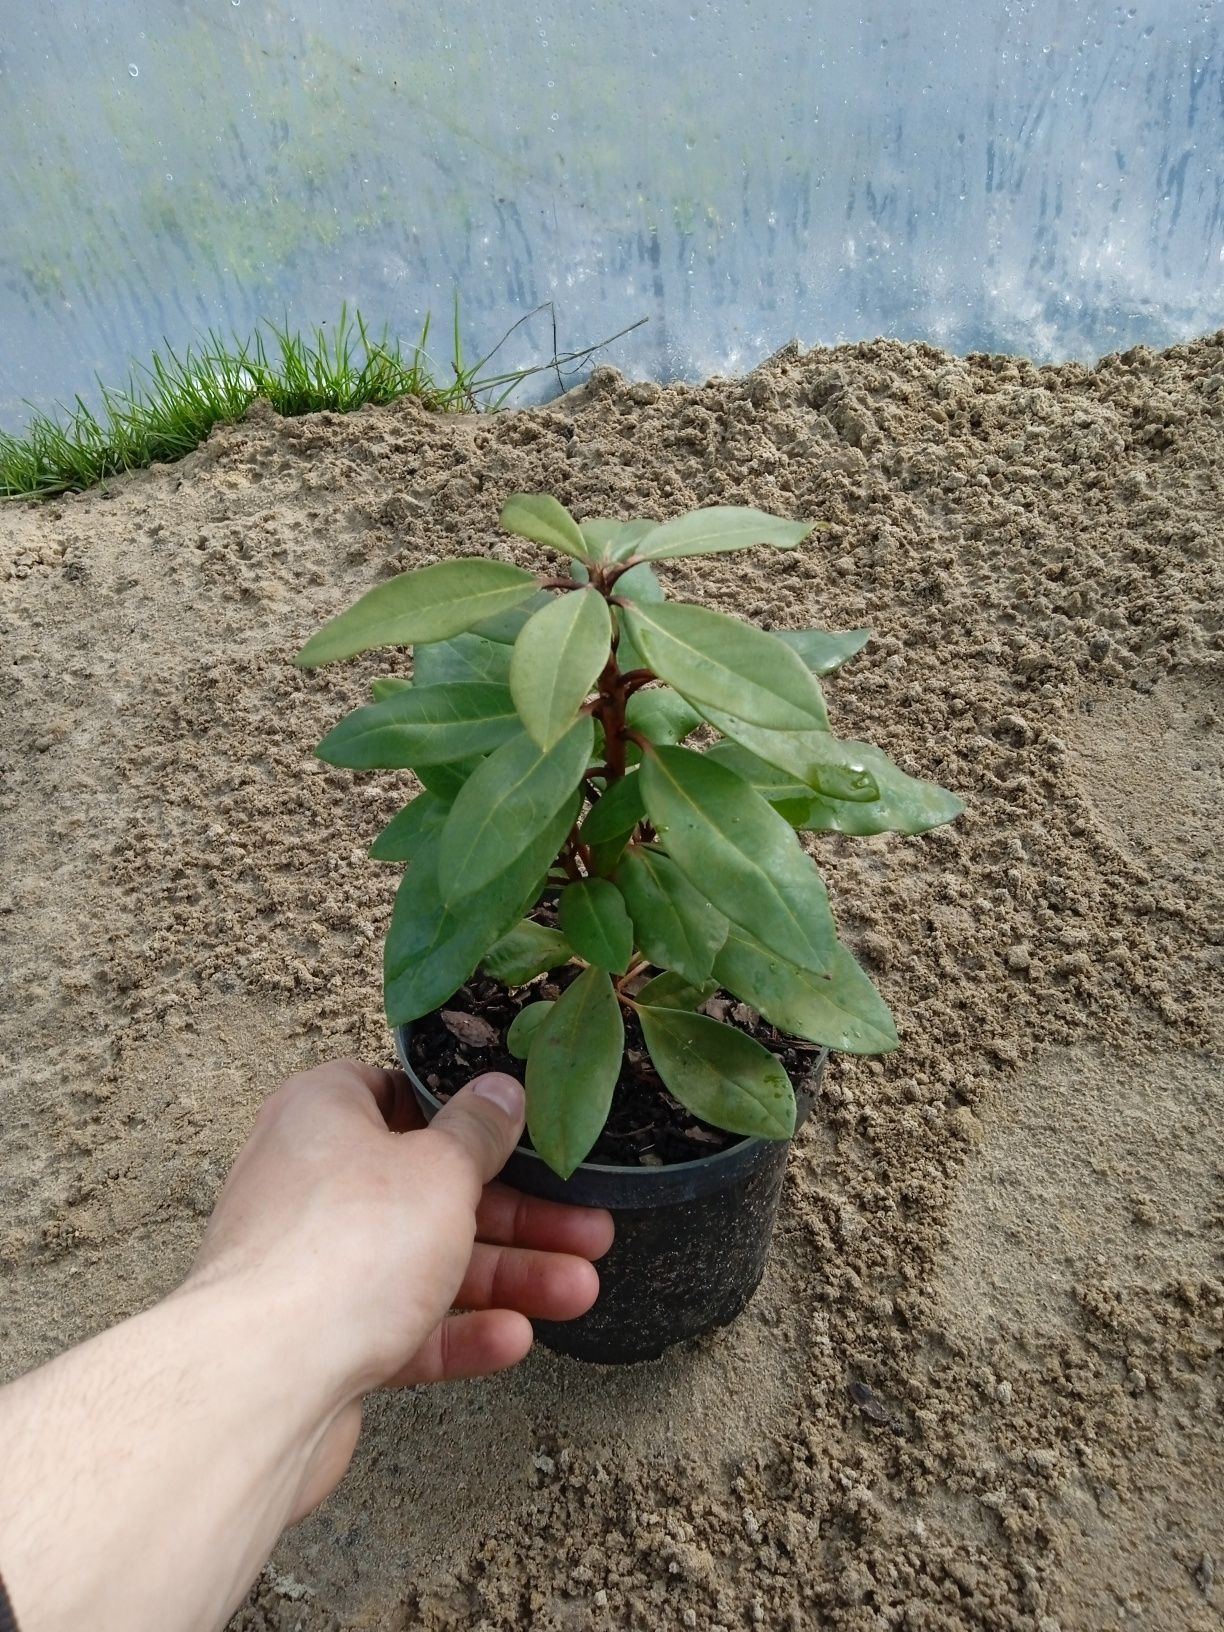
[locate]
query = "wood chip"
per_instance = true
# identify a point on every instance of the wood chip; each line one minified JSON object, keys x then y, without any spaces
{"x":717,"y":1008}
{"x":746,"y":1017}
{"x":469,"y":1028}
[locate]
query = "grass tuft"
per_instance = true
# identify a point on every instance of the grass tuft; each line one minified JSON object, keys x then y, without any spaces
{"x":171,"y":404}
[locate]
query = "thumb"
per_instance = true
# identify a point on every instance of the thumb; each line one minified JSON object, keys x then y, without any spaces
{"x":486,"y":1117}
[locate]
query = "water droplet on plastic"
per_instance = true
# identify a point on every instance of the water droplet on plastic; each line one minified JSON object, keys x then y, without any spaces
{"x":133,"y":70}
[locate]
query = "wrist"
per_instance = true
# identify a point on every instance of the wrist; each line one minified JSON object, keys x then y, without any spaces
{"x":283,"y":1327}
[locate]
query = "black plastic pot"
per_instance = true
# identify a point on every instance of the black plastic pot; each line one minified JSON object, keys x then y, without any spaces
{"x":691,"y":1239}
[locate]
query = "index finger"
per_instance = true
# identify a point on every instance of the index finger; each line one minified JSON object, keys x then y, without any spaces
{"x":390,"y":1090}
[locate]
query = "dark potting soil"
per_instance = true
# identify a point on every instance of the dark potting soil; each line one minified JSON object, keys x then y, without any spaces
{"x":646,"y":1127}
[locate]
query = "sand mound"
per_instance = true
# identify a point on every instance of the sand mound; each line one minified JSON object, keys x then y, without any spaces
{"x":1011,"y":1229}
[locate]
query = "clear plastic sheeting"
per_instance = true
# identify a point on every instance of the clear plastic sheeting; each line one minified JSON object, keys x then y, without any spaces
{"x":1041,"y":176}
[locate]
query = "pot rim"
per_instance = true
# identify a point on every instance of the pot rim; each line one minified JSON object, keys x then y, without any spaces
{"x":699,"y":1164}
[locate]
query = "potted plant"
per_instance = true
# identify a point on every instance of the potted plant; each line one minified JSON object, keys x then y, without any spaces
{"x":627,"y":917}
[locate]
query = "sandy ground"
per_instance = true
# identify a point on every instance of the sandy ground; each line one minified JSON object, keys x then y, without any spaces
{"x":1011,"y":1229}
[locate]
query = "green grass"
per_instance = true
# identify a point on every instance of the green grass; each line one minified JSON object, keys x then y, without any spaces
{"x":171,"y":404}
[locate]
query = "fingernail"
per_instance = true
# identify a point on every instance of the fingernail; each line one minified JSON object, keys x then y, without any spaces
{"x":502,"y":1090}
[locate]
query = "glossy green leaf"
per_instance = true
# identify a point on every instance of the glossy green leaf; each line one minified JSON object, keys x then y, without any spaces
{"x":572,"y":1070}
{"x":423,"y":725}
{"x":527,"y":950}
{"x":430,"y":603}
{"x":505,"y":627}
{"x":719,"y":1074}
{"x":387,"y":686}
{"x":596,"y":924}
{"x":836,"y":769}
{"x":556,"y":661}
{"x":613,"y":540}
{"x":674,"y":923}
{"x":504,"y":803}
{"x":743,"y":856}
{"x":446,"y":780}
{"x":431,"y":951}
{"x":822,"y":650}
{"x":791,"y":799}
{"x":405,"y":833}
{"x":721,"y":662}
{"x":722,"y":527}
{"x":544,"y":520}
{"x":662,"y":715}
{"x":524,"y":1027}
{"x":904,"y":804}
{"x":466,"y":657}
{"x":616,"y":812}
{"x":640,"y":585}
{"x":837,"y":1006}
{"x":671,"y":991}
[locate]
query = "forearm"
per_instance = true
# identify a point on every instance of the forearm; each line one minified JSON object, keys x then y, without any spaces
{"x":146,"y":1476}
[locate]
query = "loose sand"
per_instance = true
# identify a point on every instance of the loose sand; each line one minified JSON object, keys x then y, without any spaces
{"x":1010,"y":1230}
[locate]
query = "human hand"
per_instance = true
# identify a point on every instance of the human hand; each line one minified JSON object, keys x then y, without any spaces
{"x":346,"y":1215}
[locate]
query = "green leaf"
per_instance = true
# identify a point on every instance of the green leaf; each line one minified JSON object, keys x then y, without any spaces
{"x":613,"y":540}
{"x":661,"y":715}
{"x":674,"y":924}
{"x":747,"y":862}
{"x":829,"y":766}
{"x":616,"y":812}
{"x":403,"y":836}
{"x":640,"y":585}
{"x":505,"y":627}
{"x":903,"y":803}
{"x":572,"y":1071}
{"x":722,"y":1076}
{"x":721,"y":662}
{"x":447,"y":780}
{"x":791,"y":799}
{"x":388,"y":686}
{"x":524,"y":1027}
{"x":722,"y":527}
{"x":466,"y":657}
{"x":430,"y":951}
{"x":504,"y":803}
{"x":837,"y":1006}
{"x":544,"y":520}
{"x":556,"y":661}
{"x":671,"y":991}
{"x":421,"y":726}
{"x":906,"y":803}
{"x":822,"y":650}
{"x":527,"y":950}
{"x":431,"y":603}
{"x":596,"y":924}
